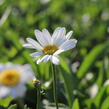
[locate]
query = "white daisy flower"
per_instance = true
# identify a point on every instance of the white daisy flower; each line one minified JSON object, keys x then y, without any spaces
{"x":50,"y":46}
{"x":13,"y":79}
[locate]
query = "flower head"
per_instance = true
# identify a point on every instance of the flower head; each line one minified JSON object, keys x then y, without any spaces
{"x":13,"y":79}
{"x":50,"y":46}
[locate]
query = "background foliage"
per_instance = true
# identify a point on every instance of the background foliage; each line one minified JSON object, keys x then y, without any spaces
{"x":83,"y":71}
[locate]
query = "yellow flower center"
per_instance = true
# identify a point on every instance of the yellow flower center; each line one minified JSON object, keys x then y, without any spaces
{"x":50,"y":49}
{"x":9,"y":78}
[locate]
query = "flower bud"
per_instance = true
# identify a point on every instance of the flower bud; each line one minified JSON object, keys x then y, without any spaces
{"x":36,"y":83}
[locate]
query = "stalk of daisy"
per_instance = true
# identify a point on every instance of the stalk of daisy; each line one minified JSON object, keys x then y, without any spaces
{"x":49,"y":47}
{"x":54,"y":85}
{"x":38,"y":99}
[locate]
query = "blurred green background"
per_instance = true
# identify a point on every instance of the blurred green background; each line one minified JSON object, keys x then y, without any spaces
{"x":83,"y":70}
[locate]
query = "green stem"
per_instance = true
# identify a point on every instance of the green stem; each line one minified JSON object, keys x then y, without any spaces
{"x":20,"y":103}
{"x":38,"y":98}
{"x":54,"y":85}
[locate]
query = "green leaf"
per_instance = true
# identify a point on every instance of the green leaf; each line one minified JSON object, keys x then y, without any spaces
{"x":97,"y":100}
{"x":13,"y":106}
{"x":91,"y":58}
{"x":70,"y":82}
{"x":75,"y":104}
{"x":105,"y":104}
{"x":5,"y":102}
{"x":100,"y":77}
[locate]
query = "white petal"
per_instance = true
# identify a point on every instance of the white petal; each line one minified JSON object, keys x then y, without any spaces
{"x":63,"y":32}
{"x":4,"y":91}
{"x":69,"y":44}
{"x":55,"y":33}
{"x":58,"y":52}
{"x":41,"y":59}
{"x":28,"y":46}
{"x":26,"y":73}
{"x":62,"y":37}
{"x":40,"y":37}
{"x":55,"y":60}
{"x":18,"y":91}
{"x":47,"y":35}
{"x":34,"y":43}
{"x":35,"y":54}
{"x":47,"y":58}
{"x":69,"y":34}
{"x":59,"y":36}
{"x":2,"y":67}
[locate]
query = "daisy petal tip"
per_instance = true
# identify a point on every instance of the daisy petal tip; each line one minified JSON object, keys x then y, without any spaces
{"x":63,"y":28}
{"x":74,"y":40}
{"x":58,"y":27}
{"x":44,"y":29}
{"x":71,"y":32}
{"x":55,"y":60}
{"x":36,"y":30}
{"x":26,"y":45}
{"x":57,"y":63}
{"x":31,"y":55}
{"x":28,"y":39}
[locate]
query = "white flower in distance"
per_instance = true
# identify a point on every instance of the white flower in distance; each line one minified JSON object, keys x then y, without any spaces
{"x":50,"y":46}
{"x":13,"y":79}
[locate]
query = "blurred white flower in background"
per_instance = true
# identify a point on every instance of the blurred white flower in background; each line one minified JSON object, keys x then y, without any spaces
{"x":75,"y":66}
{"x":44,"y":1}
{"x":86,"y":20}
{"x":105,"y":15}
{"x":93,"y":90}
{"x":2,"y":1}
{"x":13,"y":78}
{"x":47,"y":84}
{"x":89,"y":76}
{"x":106,"y":82}
{"x":50,"y":47}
